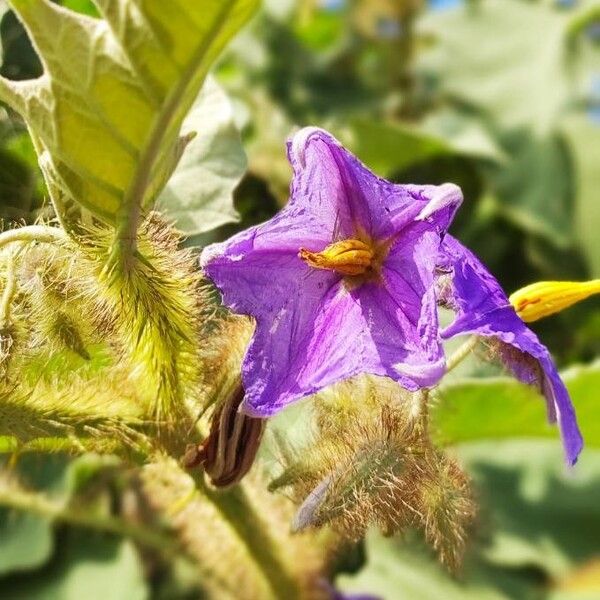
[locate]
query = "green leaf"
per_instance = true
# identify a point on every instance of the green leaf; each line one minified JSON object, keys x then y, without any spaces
{"x":91,"y":566}
{"x":199,"y":194}
{"x":534,"y":188}
{"x":537,"y":530}
{"x":466,"y":134}
{"x":105,"y":116}
{"x":389,"y":147}
{"x":26,"y":541}
{"x":27,"y":538}
{"x":397,"y":569}
{"x":503,"y":408}
{"x":536,"y":512}
{"x":491,"y":55}
{"x":85,"y":7}
{"x":583,"y":138}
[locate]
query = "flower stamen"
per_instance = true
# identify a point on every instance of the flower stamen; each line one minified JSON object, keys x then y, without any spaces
{"x":348,"y":257}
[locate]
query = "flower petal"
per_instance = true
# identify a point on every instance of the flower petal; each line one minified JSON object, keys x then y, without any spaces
{"x":344,"y":333}
{"x":484,"y":309}
{"x":328,"y":176}
{"x":314,"y":327}
{"x":306,"y":347}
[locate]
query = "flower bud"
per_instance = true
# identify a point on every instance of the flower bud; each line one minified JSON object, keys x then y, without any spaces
{"x":545,"y":298}
{"x":229,"y":451}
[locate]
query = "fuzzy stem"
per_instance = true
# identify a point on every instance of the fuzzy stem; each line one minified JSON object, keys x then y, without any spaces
{"x":424,"y":410}
{"x":33,"y":233}
{"x":31,"y":502}
{"x":10,"y":288}
{"x":237,"y":509}
{"x":461,"y":353}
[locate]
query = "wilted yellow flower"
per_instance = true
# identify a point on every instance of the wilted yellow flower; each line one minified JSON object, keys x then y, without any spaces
{"x":545,"y":298}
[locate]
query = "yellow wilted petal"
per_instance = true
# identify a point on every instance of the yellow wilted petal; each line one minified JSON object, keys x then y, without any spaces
{"x":545,"y":298}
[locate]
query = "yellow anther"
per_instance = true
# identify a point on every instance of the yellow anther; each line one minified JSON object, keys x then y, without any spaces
{"x":545,"y":298}
{"x":348,"y":257}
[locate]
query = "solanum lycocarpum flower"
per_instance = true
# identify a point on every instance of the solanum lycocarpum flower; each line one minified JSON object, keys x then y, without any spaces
{"x":545,"y":298}
{"x":340,"y":282}
{"x":346,"y":278}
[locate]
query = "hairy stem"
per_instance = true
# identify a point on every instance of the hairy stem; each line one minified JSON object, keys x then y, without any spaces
{"x":461,"y":353}
{"x":424,"y":410}
{"x":238,"y":510}
{"x":33,"y":233}
{"x":10,"y":288}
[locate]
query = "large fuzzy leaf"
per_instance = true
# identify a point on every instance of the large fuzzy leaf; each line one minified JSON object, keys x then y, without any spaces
{"x":26,"y":541}
{"x":106,"y":114}
{"x":534,"y":512}
{"x":534,"y":188}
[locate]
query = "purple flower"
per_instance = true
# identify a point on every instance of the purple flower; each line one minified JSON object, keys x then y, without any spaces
{"x":483,"y":309}
{"x":340,"y":282}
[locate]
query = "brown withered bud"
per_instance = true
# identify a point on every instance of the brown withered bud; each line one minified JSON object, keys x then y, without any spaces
{"x":228,"y":452}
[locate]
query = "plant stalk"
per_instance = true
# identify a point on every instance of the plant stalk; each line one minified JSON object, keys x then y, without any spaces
{"x":237,"y":509}
{"x":461,"y":353}
{"x":10,"y":289}
{"x":33,"y":233}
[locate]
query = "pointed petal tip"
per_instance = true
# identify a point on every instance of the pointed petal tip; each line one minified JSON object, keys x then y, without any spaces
{"x":299,"y":142}
{"x":573,"y":451}
{"x":447,"y":194}
{"x":208,"y":254}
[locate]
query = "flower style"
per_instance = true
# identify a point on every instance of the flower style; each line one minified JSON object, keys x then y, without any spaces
{"x":340,"y":282}
{"x":483,"y":309}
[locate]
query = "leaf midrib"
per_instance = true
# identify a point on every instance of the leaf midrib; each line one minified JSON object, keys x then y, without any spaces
{"x":129,"y":213}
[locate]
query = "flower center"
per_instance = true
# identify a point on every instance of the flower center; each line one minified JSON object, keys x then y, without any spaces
{"x":348,"y":257}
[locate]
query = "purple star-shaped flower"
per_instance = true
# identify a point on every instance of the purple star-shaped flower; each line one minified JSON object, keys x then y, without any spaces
{"x":483,"y":309}
{"x":340,"y":282}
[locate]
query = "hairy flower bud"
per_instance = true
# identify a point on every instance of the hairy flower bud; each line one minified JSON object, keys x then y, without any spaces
{"x":372,"y":463}
{"x":444,"y":507}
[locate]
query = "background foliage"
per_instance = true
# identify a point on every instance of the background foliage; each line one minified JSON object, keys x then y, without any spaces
{"x":499,"y":96}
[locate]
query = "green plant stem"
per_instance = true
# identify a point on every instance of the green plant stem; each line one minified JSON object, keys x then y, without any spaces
{"x":424,"y":410}
{"x":32,"y":502}
{"x":10,"y":288}
{"x":461,"y":353}
{"x":238,"y":510}
{"x":33,"y":233}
